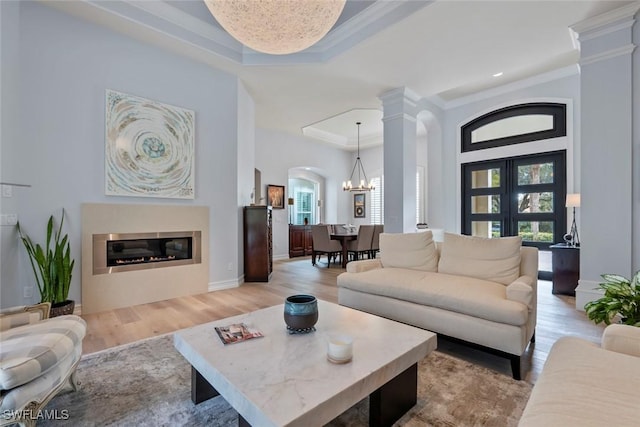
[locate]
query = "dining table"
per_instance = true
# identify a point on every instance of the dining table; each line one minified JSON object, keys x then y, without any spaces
{"x":344,"y":239}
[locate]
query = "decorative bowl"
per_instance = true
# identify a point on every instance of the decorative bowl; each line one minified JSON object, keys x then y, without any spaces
{"x":301,"y":312}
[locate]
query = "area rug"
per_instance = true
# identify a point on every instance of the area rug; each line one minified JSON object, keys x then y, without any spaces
{"x":147,"y":383}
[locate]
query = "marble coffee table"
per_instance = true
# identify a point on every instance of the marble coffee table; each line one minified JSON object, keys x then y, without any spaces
{"x":286,"y":380}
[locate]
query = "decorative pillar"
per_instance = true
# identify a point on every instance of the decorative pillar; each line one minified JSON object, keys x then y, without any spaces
{"x":399,"y":122}
{"x":607,"y":86}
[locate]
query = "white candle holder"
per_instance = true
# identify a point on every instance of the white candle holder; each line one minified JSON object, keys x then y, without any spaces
{"x":339,"y":348}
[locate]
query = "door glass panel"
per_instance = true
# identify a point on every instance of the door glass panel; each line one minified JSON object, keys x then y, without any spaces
{"x":539,"y":173}
{"x":536,"y":231}
{"x":485,"y":204}
{"x":485,"y":178}
{"x":486,"y":228}
{"x":535,"y":202}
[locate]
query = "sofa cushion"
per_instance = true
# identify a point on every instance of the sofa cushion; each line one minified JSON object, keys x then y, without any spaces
{"x":466,"y":295}
{"x":584,"y":385}
{"x":409,"y":250}
{"x":31,"y":350}
{"x":497,"y":260}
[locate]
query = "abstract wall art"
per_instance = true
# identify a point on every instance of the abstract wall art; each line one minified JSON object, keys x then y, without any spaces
{"x":149,"y":148}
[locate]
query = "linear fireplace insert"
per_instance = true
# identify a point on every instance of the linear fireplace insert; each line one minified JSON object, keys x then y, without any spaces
{"x":113,"y":252}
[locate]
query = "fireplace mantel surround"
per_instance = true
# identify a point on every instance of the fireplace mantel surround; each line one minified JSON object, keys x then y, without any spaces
{"x":102,"y":292}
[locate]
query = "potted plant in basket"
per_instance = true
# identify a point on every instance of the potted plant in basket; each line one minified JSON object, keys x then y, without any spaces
{"x":621,"y":297}
{"x":52,"y":265}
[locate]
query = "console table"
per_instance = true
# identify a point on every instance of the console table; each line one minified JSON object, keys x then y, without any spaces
{"x":565,"y":261}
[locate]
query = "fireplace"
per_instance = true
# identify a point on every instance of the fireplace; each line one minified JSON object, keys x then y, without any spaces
{"x":113,"y":253}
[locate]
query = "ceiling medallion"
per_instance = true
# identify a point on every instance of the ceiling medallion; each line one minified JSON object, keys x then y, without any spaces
{"x":276,"y":27}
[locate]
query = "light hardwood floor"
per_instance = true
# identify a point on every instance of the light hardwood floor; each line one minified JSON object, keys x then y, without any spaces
{"x":557,"y":315}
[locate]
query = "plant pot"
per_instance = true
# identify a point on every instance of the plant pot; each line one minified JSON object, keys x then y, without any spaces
{"x":62,"y":308}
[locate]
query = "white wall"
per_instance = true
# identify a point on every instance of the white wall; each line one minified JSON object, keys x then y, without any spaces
{"x":246,"y":162}
{"x":636,"y":150}
{"x":58,"y":68}
{"x":277,"y":152}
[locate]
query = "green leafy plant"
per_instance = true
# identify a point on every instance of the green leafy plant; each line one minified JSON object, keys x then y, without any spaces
{"x":52,"y":264}
{"x":621,"y":297}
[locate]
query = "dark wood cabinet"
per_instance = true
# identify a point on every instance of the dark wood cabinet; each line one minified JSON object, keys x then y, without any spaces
{"x":300,"y":240}
{"x":565,"y":261}
{"x":258,"y":246}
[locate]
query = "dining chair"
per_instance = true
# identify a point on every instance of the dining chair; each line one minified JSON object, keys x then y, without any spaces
{"x":375,"y":241}
{"x":362,"y":245}
{"x":322,"y":244}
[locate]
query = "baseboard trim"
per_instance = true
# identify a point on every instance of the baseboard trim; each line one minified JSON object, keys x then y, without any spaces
{"x":281,"y":256}
{"x":226,"y":284}
{"x":587,"y":290}
{"x":77,"y":309}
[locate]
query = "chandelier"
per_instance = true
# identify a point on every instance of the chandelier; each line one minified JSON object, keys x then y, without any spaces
{"x":276,"y":27}
{"x":364,"y":186}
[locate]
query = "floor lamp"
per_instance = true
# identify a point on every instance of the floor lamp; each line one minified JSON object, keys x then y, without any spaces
{"x":573,"y":201}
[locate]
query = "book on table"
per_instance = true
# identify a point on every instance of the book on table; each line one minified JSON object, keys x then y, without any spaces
{"x":237,"y":332}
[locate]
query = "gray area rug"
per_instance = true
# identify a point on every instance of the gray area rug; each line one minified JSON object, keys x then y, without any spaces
{"x":147,"y":383}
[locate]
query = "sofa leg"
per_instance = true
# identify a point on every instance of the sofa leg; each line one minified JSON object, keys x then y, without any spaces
{"x":515,"y":367}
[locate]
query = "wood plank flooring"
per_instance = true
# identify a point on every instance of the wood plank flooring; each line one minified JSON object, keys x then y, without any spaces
{"x":557,"y":315}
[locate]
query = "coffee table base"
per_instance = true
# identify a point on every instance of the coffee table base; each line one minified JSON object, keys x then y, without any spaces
{"x":386,"y":405}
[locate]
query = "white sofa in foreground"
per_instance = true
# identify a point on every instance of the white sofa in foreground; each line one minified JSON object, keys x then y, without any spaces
{"x":583,"y":384}
{"x":481,"y":291}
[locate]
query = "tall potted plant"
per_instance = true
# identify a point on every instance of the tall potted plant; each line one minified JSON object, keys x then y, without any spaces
{"x":621,"y":297}
{"x":52,"y":266}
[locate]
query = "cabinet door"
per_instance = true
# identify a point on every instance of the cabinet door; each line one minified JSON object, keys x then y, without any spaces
{"x":296,"y":241}
{"x":308,"y":241}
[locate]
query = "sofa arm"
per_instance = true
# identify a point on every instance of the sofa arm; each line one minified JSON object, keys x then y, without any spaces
{"x":521,"y":290}
{"x":23,"y":315}
{"x":364,"y":265}
{"x":622,"y":339}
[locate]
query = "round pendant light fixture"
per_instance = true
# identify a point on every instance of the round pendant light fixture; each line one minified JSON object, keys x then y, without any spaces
{"x":276,"y":27}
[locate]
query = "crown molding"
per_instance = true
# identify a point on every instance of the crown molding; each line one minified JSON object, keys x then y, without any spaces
{"x":549,"y":76}
{"x":607,"y":18}
{"x":169,"y":20}
{"x":345,"y":143}
{"x":602,"y":56}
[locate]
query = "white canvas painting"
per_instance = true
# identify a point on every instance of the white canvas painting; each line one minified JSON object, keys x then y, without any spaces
{"x":149,"y":148}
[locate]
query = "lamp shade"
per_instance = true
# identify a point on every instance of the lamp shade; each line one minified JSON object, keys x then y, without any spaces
{"x":573,"y":200}
{"x":276,"y":27}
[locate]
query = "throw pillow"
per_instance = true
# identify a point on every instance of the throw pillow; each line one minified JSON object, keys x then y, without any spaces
{"x":409,"y":250}
{"x":497,"y":260}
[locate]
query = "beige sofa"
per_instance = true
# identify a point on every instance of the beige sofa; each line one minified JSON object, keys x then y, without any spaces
{"x":583,"y":384}
{"x":481,"y":291}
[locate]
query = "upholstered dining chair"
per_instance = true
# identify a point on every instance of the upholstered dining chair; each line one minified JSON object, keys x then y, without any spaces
{"x":322,"y":244}
{"x":362,"y":245}
{"x":375,"y":241}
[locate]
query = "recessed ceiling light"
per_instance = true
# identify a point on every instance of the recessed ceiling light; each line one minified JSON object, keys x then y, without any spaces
{"x":498,"y":74}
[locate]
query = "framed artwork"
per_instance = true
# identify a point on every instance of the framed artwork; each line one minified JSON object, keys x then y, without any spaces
{"x":275,"y":193}
{"x":359,"y":208}
{"x":149,"y":148}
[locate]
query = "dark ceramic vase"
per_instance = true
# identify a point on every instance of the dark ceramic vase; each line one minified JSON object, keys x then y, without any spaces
{"x":301,"y":312}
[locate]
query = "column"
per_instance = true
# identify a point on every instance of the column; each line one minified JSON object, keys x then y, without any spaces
{"x":606,"y":138}
{"x":399,"y":122}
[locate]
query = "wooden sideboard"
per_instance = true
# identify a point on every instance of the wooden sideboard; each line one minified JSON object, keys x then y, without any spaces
{"x":300,"y":240}
{"x":258,"y":247}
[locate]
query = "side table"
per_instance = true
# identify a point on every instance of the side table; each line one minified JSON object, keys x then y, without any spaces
{"x":565,"y":261}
